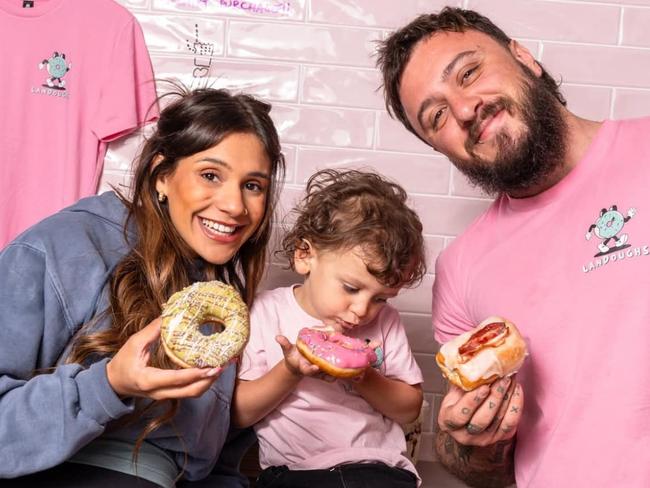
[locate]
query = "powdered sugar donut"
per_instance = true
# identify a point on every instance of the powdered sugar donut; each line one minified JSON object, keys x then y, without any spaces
{"x":337,"y":354}
{"x":204,"y":325}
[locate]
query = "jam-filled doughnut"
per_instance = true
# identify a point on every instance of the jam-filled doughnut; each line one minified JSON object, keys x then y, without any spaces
{"x":337,"y":354}
{"x":204,"y":325}
{"x":492,"y":350}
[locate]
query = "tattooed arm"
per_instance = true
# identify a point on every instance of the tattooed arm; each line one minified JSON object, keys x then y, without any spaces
{"x":480,"y":467}
{"x":476,"y":438}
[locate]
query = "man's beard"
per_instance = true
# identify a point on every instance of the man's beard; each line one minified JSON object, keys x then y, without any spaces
{"x":538,"y":151}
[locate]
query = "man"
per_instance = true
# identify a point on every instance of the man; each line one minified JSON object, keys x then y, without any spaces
{"x":563,"y":252}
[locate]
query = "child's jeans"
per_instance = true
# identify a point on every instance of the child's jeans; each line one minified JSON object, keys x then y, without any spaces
{"x":362,"y":475}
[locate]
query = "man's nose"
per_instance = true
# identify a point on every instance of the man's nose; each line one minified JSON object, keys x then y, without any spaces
{"x":465,"y":107}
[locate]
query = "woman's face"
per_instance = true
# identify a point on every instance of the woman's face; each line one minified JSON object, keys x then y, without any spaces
{"x":216,"y":198}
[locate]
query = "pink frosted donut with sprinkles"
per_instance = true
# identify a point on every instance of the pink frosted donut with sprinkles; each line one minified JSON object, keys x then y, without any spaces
{"x":336,"y":354}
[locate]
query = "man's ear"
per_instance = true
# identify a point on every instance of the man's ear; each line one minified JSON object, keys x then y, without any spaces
{"x":525,"y":57}
{"x":303,"y":257}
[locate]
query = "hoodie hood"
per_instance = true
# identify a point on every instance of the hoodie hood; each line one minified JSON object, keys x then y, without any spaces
{"x":86,"y":239}
{"x":95,"y":214}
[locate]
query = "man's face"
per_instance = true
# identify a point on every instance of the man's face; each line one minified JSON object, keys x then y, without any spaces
{"x":483,"y":105}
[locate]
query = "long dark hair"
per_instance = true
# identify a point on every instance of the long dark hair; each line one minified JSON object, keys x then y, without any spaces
{"x":160,"y":262}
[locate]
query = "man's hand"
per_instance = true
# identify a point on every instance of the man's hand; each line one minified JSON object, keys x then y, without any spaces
{"x":484,"y":416}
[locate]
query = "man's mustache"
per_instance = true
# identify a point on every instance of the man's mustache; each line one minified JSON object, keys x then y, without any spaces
{"x":487,"y":111}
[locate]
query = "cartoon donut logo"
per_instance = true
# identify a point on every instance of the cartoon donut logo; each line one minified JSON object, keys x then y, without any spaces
{"x":57,"y":67}
{"x":607,"y":227}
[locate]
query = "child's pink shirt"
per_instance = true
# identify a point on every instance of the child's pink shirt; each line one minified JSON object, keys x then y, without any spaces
{"x":321,"y":424}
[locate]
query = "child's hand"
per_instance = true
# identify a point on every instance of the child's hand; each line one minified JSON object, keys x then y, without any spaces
{"x":294,"y":361}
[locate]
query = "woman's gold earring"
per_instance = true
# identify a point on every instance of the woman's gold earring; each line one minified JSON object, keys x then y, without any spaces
{"x":245,"y":211}
{"x":162,"y":198}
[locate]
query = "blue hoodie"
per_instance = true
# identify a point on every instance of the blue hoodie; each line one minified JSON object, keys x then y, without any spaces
{"x":54,"y":278}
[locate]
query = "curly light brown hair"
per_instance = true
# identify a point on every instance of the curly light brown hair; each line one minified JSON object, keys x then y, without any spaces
{"x":345,"y":209}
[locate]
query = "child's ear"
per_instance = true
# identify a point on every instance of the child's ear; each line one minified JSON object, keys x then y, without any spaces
{"x":302,"y":257}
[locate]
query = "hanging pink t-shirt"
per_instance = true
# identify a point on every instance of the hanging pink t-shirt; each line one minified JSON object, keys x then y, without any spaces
{"x":77,"y":74}
{"x":320,"y":424}
{"x":570,"y":267}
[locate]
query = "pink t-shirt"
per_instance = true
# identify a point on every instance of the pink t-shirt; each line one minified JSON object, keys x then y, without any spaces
{"x":77,"y":75}
{"x":570,"y":267}
{"x":321,"y":424}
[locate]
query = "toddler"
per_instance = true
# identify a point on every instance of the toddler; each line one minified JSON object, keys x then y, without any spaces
{"x":356,"y":243}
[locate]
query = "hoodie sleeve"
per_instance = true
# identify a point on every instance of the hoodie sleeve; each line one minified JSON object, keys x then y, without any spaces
{"x":44,"y":419}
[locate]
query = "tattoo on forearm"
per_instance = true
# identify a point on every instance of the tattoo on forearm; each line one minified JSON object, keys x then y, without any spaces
{"x":464,"y":453}
{"x":449,"y":445}
{"x":499,"y":452}
{"x":484,"y":467}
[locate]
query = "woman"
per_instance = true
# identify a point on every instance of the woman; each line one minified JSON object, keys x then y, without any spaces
{"x":84,"y":390}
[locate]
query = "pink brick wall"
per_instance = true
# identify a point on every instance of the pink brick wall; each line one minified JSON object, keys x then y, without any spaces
{"x":313,"y":60}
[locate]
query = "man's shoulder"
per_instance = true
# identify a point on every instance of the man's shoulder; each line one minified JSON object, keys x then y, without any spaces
{"x":636,"y":128}
{"x":639,"y":128}
{"x":635,"y":122}
{"x":478,"y":233}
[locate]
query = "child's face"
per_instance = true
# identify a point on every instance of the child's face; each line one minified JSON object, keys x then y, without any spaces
{"x":338,"y":288}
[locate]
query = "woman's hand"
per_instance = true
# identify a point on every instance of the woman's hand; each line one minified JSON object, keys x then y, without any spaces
{"x":483,"y":416}
{"x":129,"y":374}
